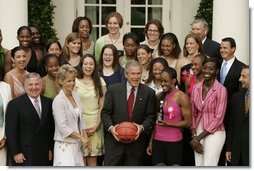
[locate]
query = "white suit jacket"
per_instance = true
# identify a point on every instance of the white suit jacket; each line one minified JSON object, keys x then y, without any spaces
{"x":5,"y":91}
{"x":66,"y":120}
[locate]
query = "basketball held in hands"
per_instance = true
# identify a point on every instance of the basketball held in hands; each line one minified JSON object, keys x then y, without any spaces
{"x":126,"y":132}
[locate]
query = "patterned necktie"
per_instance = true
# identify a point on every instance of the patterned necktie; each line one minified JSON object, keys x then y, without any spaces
{"x":130,"y":102}
{"x":37,"y":107}
{"x":247,"y":102}
{"x":223,"y":73}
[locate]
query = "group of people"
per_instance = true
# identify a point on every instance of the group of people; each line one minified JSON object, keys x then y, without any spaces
{"x":61,"y":106}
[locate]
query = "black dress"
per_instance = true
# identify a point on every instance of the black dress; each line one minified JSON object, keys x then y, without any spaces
{"x":32,"y":63}
{"x":188,"y":157}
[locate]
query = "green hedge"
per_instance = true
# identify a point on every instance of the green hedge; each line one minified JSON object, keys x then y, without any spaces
{"x":205,"y":11}
{"x":40,"y":13}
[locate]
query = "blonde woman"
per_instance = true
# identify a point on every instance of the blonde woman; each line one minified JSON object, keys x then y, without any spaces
{"x":70,"y":125}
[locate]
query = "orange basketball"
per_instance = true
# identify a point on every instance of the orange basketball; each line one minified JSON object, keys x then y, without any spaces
{"x":126,"y":132}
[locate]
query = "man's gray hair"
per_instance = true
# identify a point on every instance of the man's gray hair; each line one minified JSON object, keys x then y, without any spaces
{"x":32,"y":75}
{"x":132,"y":64}
{"x":202,"y":20}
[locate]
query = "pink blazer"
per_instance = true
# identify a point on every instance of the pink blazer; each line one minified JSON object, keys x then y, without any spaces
{"x":212,"y":110}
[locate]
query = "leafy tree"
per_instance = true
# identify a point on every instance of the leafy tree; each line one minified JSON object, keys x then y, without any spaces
{"x":40,"y":13}
{"x":205,"y":11}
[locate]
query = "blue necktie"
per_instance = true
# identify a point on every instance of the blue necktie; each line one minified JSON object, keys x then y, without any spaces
{"x":223,"y":73}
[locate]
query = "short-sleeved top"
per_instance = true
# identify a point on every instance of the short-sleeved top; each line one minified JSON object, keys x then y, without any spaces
{"x":89,"y":99}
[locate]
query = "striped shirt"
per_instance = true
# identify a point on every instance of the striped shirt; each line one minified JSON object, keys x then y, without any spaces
{"x":211,"y":110}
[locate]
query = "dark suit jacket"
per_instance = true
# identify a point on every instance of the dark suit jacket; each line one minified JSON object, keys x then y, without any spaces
{"x":232,"y":85}
{"x":238,"y":133}
{"x":28,"y":134}
{"x":115,"y":111}
{"x":212,"y":49}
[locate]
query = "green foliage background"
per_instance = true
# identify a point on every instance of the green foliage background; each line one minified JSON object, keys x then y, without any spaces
{"x":40,"y":13}
{"x":205,"y":11}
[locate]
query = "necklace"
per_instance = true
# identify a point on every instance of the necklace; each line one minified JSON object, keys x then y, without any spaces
{"x":112,"y":40}
{"x":189,"y":58}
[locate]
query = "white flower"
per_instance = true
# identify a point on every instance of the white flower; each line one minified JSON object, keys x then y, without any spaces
{"x":170,"y":109}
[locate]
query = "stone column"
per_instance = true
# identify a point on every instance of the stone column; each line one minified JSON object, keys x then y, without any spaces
{"x":13,"y":14}
{"x":65,"y":14}
{"x":231,"y":19}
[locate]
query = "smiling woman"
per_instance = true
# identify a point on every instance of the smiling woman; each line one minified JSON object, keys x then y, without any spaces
{"x":153,"y":31}
{"x":113,"y":22}
{"x":91,"y":89}
{"x":109,"y":66}
{"x":70,"y":132}
{"x":16,"y":76}
{"x":208,"y":133}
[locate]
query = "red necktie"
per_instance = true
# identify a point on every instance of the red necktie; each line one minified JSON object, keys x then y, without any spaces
{"x":130,"y":102}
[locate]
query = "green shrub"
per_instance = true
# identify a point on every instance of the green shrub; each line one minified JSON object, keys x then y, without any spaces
{"x":40,"y":13}
{"x":205,"y":11}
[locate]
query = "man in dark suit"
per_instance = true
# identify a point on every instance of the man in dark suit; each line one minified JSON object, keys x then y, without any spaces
{"x":30,"y":126}
{"x":210,"y":47}
{"x":229,"y":77}
{"x":115,"y":111}
{"x":237,"y":141}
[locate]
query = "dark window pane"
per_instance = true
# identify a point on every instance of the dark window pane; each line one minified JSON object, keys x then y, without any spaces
{"x":137,"y":16}
{"x":108,"y":1}
{"x":133,"y":2}
{"x":93,"y":14}
{"x":154,"y":2}
{"x":105,"y":12}
{"x":155,"y":13}
{"x":139,"y":32}
{"x":91,"y":1}
{"x":95,"y":34}
{"x":104,"y":31}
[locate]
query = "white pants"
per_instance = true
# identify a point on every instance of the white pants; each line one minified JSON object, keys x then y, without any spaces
{"x":212,"y":144}
{"x":3,"y":157}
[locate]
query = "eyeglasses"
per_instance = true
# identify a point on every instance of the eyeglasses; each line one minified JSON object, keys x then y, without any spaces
{"x":155,"y":31}
{"x":106,"y":54}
